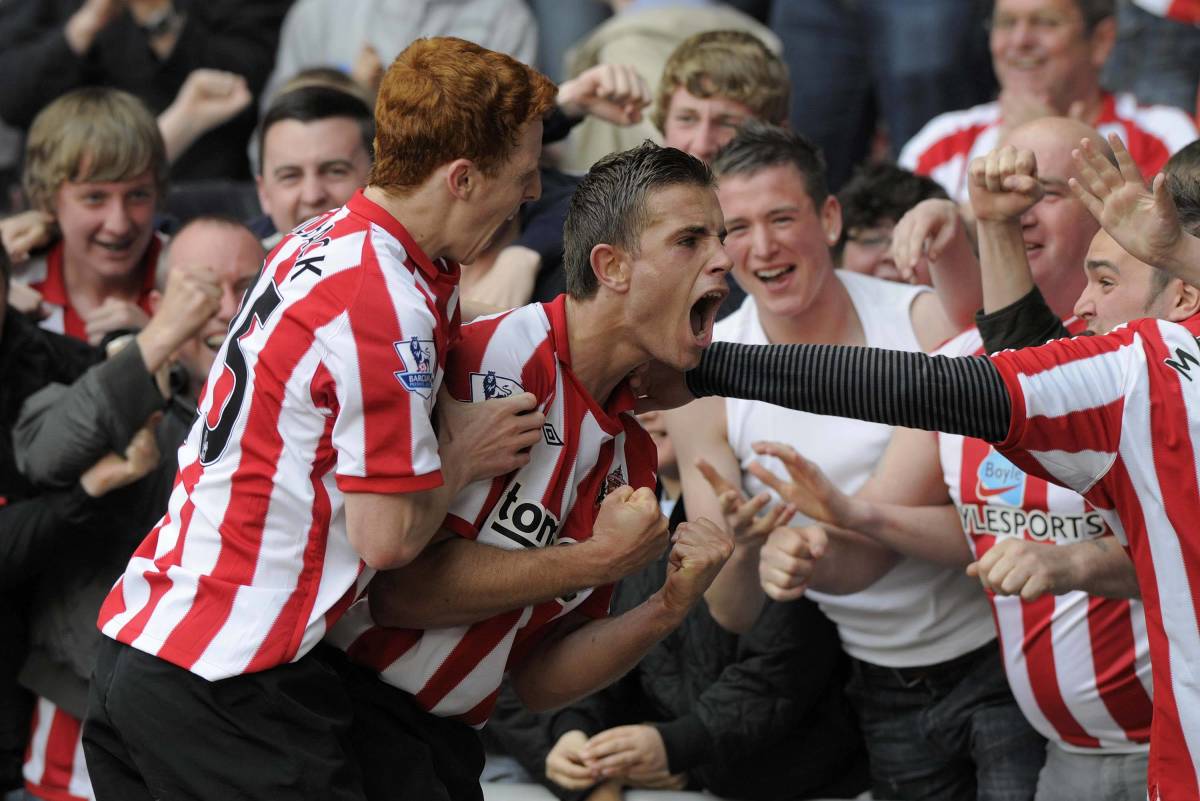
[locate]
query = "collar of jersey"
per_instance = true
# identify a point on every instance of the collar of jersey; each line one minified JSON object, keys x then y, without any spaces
{"x":360,"y":205}
{"x":622,"y":398}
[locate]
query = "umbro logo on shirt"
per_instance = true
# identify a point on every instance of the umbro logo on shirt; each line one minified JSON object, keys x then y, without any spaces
{"x":551,"y":436}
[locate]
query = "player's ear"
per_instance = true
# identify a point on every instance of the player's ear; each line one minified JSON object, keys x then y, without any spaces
{"x":831,"y":220}
{"x":1187,"y":302}
{"x":461,"y":178}
{"x":611,"y":267}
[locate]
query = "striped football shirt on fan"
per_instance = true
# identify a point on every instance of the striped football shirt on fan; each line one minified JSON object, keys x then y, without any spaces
{"x":1117,"y":419}
{"x":1078,"y":664}
{"x":945,"y":146}
{"x":324,"y":386}
{"x":54,"y":767}
{"x":586,"y":451}
{"x":1179,"y":10}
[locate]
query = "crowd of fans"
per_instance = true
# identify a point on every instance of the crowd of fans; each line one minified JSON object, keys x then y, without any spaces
{"x":904,"y":615}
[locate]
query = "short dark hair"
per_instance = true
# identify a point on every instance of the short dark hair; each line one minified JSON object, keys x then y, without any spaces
{"x":880,"y":192}
{"x":759,"y":145}
{"x":314,"y":102}
{"x":609,"y":205}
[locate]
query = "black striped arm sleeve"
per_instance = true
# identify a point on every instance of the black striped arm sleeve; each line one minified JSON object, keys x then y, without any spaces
{"x":958,"y":396}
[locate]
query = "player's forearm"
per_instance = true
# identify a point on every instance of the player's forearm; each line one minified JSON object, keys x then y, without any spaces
{"x":1004,"y":267}
{"x":390,"y":531}
{"x":458,"y":582}
{"x":955,"y":277}
{"x":932,"y":533}
{"x":851,"y":563}
{"x":593,"y":656}
{"x":735,"y":598}
{"x":959,"y":396}
{"x":1100,"y":567}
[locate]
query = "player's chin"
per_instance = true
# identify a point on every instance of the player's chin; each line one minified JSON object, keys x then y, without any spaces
{"x":684,"y":357}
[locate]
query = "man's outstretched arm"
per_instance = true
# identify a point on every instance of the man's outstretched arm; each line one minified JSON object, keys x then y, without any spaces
{"x":956,"y":395}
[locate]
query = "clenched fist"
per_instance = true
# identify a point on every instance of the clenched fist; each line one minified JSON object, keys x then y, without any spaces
{"x":1004,"y":184}
{"x":629,"y":533}
{"x":699,"y":551}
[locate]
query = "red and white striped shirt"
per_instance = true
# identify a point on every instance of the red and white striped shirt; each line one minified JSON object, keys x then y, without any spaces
{"x":1180,"y":10}
{"x":324,"y":385}
{"x":1078,"y":665}
{"x":1117,"y":419}
{"x":45,"y":274}
{"x":54,"y":767}
{"x":586,"y":451}
{"x":945,"y":146}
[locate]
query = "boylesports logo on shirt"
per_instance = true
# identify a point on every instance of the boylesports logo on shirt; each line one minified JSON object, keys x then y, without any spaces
{"x":999,"y":478}
{"x":486,"y":386}
{"x":1000,"y":486}
{"x":419,"y":359}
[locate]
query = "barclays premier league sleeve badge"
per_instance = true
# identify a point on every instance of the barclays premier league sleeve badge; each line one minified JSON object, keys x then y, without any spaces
{"x":419,"y":358}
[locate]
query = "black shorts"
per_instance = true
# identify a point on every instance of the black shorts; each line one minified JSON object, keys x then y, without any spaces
{"x":157,"y":731}
{"x":405,"y":752}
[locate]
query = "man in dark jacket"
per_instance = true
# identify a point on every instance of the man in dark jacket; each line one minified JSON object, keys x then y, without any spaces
{"x":33,"y":525}
{"x":147,"y":48}
{"x":61,"y":428}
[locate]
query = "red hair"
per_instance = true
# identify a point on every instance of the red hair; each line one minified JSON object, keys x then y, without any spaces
{"x":445,"y":98}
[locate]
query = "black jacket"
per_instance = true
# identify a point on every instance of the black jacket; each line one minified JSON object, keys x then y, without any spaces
{"x":32,"y":526}
{"x":31,"y":521}
{"x":235,"y":35}
{"x":756,"y":716}
{"x":61,"y":431}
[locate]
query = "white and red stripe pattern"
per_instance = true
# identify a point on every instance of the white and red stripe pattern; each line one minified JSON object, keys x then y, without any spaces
{"x":54,"y":767}
{"x":945,"y":146}
{"x":585,"y":451}
{"x":1179,"y":10}
{"x":1117,"y":419}
{"x":324,"y":386}
{"x":1078,"y":665}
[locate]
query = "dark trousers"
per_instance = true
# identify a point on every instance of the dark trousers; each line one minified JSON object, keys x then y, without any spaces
{"x":406,"y":753}
{"x":156,"y":731}
{"x":946,"y":732}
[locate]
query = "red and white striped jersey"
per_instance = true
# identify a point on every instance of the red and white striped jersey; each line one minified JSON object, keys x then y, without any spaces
{"x":45,"y":274}
{"x":1078,"y":665}
{"x":1180,"y":10}
{"x":945,"y":146}
{"x":323,"y":386}
{"x":586,"y":451}
{"x":54,"y":767}
{"x":1117,"y":419}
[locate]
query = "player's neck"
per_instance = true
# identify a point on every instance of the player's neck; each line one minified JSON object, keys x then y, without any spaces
{"x":423,"y":214}
{"x":601,"y":356}
{"x":829,"y":319}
